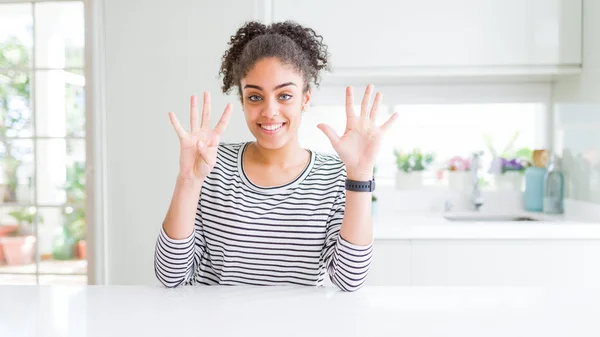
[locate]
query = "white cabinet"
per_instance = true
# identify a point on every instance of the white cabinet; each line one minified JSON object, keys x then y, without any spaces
{"x":505,"y":262}
{"x":391,"y":263}
{"x":441,"y":35}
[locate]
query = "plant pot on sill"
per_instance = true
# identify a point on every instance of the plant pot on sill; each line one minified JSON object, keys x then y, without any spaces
{"x":18,"y":250}
{"x":81,"y":247}
{"x":509,"y":180}
{"x":409,"y":180}
{"x":4,"y":231}
{"x":459,"y":180}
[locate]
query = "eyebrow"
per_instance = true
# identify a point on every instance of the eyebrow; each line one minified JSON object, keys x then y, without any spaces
{"x":276,"y":87}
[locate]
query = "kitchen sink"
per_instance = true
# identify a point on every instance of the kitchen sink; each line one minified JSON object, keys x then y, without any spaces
{"x":474,"y":216}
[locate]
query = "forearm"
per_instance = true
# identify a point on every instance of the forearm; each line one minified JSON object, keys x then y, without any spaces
{"x":179,"y":221}
{"x":174,"y":255}
{"x":357,"y":225}
{"x":174,"y":262}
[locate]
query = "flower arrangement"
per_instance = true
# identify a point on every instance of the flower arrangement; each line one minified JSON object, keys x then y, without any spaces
{"x":514,"y":164}
{"x":458,"y":164}
{"x":413,"y":161}
{"x":509,"y":159}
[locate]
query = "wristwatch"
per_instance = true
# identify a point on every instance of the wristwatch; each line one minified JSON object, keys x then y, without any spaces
{"x":360,"y":186}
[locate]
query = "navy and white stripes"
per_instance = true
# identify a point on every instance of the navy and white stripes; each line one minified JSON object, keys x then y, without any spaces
{"x":252,"y":235}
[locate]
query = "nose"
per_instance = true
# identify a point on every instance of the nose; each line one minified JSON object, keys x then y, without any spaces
{"x":270,"y":109}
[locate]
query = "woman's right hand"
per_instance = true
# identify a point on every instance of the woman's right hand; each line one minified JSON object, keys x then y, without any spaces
{"x":198,"y":150}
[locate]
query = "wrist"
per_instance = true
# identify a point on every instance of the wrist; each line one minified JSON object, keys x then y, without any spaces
{"x":195,"y":183}
{"x":360,"y":175}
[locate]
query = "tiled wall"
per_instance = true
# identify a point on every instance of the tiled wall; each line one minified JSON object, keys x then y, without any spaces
{"x":577,"y":141}
{"x":577,"y":115}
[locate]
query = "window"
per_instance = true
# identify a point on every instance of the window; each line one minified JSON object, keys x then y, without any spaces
{"x":455,"y":126}
{"x":42,"y":143}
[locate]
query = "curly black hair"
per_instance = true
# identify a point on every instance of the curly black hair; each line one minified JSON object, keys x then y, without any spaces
{"x":288,"y":41}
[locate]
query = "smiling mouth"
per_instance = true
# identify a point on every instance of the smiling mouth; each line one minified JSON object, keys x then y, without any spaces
{"x":271,"y":127}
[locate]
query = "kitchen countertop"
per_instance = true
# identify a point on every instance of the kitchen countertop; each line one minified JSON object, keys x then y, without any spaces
{"x":297,"y":311}
{"x":434,"y":226}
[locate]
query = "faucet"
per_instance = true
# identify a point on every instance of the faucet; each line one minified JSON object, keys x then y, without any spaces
{"x":476,"y":198}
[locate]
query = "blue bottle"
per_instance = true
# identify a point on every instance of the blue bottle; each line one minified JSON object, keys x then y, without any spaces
{"x":554,"y":187}
{"x":533,"y":197}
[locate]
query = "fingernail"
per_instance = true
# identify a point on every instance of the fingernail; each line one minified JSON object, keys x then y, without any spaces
{"x":201,"y":144}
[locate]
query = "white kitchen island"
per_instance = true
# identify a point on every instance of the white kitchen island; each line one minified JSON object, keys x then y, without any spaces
{"x":298,"y":311}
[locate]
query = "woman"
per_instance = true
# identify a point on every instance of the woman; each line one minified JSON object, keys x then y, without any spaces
{"x":269,"y":212}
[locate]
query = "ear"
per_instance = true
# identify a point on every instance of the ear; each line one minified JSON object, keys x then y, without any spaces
{"x":306,"y":100}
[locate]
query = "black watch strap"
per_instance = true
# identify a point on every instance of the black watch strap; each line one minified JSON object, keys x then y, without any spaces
{"x":360,"y":186}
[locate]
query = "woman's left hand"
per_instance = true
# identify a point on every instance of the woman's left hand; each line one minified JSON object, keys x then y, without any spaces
{"x":359,"y":145}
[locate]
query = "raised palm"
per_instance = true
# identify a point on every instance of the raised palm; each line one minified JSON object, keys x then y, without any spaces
{"x":198,"y":148}
{"x":359,"y":145}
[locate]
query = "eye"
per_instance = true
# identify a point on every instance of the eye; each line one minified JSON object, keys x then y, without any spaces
{"x":254,"y":98}
{"x":285,"y":97}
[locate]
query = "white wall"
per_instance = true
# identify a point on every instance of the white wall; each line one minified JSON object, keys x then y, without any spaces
{"x":577,"y":120}
{"x":157,"y":54}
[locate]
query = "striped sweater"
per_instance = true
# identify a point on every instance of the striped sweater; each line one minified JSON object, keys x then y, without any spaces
{"x":251,"y":235}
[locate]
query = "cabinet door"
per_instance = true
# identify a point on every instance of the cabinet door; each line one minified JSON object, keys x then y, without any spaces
{"x":446,"y":33}
{"x":391,"y":263}
{"x":505,"y":262}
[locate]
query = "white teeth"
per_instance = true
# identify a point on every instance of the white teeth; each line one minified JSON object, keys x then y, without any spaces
{"x":271,"y":127}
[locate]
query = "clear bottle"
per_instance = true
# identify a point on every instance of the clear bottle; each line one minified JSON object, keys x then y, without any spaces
{"x":554,"y":187}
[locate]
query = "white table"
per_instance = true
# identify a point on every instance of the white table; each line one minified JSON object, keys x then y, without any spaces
{"x":297,"y":311}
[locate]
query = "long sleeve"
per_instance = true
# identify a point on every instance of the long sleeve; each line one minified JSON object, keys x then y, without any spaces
{"x":175,"y":261}
{"x":347,"y":264}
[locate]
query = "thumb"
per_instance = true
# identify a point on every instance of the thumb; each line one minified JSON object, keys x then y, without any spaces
{"x":330,"y":133}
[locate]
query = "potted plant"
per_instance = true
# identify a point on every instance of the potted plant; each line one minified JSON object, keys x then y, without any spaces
{"x":512,"y":170}
{"x":410,"y":167}
{"x":508,"y":166}
{"x":19,"y":245}
{"x":457,"y":172}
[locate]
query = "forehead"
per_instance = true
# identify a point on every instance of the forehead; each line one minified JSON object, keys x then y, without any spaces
{"x":270,"y":72}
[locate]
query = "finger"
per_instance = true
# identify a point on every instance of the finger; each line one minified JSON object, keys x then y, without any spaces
{"x":222,"y":124}
{"x":364,"y":106}
{"x":178,"y":128}
{"x":206,"y":111}
{"x":385,"y":126}
{"x":330,"y":133}
{"x":350,"y":103}
{"x":376,"y":103}
{"x":194,"y":125}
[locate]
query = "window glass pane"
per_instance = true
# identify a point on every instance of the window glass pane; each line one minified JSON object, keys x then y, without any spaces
{"x":63,"y":176}
{"x":15,"y":104}
{"x":16,"y":36}
{"x":16,"y":165}
{"x":61,"y":236}
{"x":60,"y":103}
{"x":450,"y":130}
{"x":59,"y":34}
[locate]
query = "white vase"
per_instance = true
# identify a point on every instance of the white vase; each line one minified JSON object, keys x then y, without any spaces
{"x":409,"y":181}
{"x":459,"y":180}
{"x":510,"y":180}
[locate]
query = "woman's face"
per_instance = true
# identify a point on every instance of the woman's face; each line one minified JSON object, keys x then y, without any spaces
{"x":273,"y":100}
